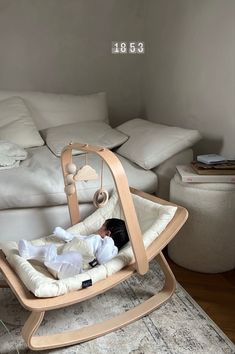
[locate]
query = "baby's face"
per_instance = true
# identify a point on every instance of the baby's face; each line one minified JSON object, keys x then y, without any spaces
{"x":103,"y":231}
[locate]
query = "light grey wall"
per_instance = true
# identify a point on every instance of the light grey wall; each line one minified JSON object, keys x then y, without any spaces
{"x":64,"y":46}
{"x":186,"y":77}
{"x":190,"y":68}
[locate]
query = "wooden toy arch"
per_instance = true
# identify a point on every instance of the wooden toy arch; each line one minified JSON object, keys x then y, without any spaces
{"x":38,"y":306}
{"x":124,"y":194}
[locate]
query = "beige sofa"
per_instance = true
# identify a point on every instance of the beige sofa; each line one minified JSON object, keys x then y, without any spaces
{"x":32,"y":199}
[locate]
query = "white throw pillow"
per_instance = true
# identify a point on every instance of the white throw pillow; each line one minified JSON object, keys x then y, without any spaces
{"x":16,"y":124}
{"x":52,"y":109}
{"x":150,"y":144}
{"x":91,"y":132}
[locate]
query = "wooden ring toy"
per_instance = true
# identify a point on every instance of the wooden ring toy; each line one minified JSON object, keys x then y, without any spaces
{"x":100,"y":198}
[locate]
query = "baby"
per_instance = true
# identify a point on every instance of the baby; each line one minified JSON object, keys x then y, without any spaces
{"x":80,"y":252}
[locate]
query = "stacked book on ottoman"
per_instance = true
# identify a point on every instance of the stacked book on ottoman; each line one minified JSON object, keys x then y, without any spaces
{"x":208,"y":168}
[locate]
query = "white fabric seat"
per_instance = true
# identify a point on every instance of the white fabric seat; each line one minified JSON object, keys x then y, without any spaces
{"x":153,"y":219}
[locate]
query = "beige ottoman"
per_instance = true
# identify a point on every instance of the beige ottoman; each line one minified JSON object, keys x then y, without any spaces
{"x":206,"y":243}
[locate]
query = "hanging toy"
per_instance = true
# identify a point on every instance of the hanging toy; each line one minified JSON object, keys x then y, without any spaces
{"x":101,"y":196}
{"x":85,"y":173}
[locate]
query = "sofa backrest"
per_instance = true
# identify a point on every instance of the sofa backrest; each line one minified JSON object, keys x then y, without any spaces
{"x":50,"y":110}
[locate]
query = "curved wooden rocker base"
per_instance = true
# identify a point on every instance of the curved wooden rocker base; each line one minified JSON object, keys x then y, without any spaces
{"x":36,"y":342}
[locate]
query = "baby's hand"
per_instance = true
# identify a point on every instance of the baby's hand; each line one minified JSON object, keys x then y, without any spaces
{"x":62,"y":234}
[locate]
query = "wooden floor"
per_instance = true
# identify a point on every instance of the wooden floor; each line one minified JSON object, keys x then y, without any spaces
{"x":215,"y":293}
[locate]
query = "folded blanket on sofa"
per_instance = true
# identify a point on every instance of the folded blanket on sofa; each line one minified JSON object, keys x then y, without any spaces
{"x":11,"y":154}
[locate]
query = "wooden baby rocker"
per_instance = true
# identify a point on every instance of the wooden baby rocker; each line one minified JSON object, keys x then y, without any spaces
{"x":38,"y":306}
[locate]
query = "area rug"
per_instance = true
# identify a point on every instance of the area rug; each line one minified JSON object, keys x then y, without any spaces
{"x":178,"y":327}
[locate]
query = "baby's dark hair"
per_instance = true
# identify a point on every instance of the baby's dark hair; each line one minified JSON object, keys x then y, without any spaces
{"x":118,"y":231}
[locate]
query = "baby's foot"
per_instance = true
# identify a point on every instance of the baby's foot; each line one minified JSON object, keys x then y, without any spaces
{"x":39,"y":253}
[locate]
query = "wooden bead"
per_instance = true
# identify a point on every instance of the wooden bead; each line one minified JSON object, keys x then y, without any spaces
{"x":71,"y":168}
{"x":70,"y":189}
{"x":70,"y":178}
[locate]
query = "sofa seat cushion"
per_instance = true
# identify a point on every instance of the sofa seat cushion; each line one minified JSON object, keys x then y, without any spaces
{"x":38,"y":181}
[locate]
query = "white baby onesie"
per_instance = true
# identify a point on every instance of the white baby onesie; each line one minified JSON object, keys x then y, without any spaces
{"x":78,"y":252}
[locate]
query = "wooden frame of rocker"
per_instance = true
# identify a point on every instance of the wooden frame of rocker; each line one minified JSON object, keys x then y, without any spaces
{"x":142,"y":257}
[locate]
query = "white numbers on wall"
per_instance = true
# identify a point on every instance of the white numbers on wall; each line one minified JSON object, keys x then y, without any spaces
{"x":128,"y":47}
